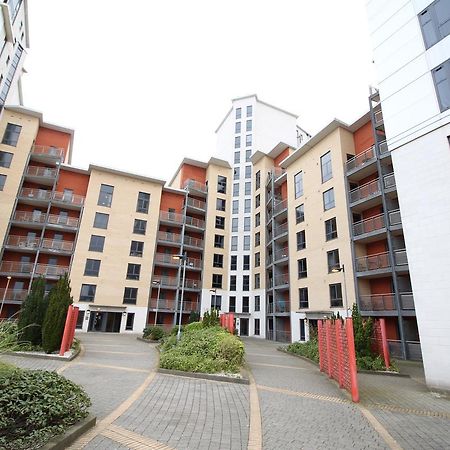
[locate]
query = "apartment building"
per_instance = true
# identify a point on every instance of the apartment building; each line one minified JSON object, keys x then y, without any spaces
{"x":411,"y":46}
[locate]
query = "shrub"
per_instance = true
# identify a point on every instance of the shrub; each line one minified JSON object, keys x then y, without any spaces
{"x":211,"y":318}
{"x":362,"y":331}
{"x":55,"y":317}
{"x":194,"y":326}
{"x":9,"y":332}
{"x":308,"y":349}
{"x":194,"y":317}
{"x":154,"y":333}
{"x":35,"y":405}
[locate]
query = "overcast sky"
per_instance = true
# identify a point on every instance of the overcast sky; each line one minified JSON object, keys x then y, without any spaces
{"x":146,"y":83}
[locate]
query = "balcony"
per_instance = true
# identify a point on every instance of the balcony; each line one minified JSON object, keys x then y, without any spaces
{"x":407,"y":301}
{"x":383,"y":148}
{"x":279,"y":175}
{"x":400,"y":257}
{"x":172,"y":305}
{"x":369,"y":227}
{"x":68,"y":199}
{"x":279,"y":307}
{"x":365,"y":192}
{"x":63,"y":221}
{"x":171,"y":218}
{"x":193,"y":222}
{"x":169,"y":238}
{"x":389,"y":182}
{"x":45,"y":153}
{"x":395,"y":218}
{"x":192,"y":204}
{"x":40,"y":175}
{"x":378,"y":116}
{"x":380,"y":262}
{"x":361,"y":161}
{"x":31,"y":219}
{"x":172,"y":283}
{"x":279,"y":207}
{"x":281,"y":280}
{"x":22,"y":243}
{"x":167,"y":259}
{"x":16,"y":268}
{"x":195,"y":187}
{"x":193,"y":242}
{"x":50,"y":271}
{"x":281,"y":255}
{"x":35,"y":196}
{"x":15,"y":296}
{"x":280,"y":230}
{"x":381,"y":302}
{"x":57,"y":246}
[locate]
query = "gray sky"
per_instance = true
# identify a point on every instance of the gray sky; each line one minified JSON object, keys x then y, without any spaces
{"x":145,"y":83}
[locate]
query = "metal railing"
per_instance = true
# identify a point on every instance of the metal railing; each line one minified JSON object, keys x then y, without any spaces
{"x":169,"y":237}
{"x":48,"y":270}
{"x":168,"y":259}
{"x":373,"y":262}
{"x":193,"y":242}
{"x":395,"y":348}
{"x":195,"y":186}
{"x":280,"y":229}
{"x":361,"y":158}
{"x":24,"y":242}
{"x":280,"y":206}
{"x":279,"y":336}
{"x":377,"y":302}
{"x":26,"y":216}
{"x":407,"y":301}
{"x":194,"y":222}
{"x":365,"y":191}
{"x":45,"y":150}
{"x":57,"y":245}
{"x":69,"y":198}
{"x":14,"y":295}
{"x":389,"y":181}
{"x":16,"y":267}
{"x":173,"y":305}
{"x":400,"y":257}
{"x":383,"y":147}
{"x":368,"y":225}
{"x":281,"y":254}
{"x":278,"y":172}
{"x":45,"y":172}
{"x":168,"y":281}
{"x":378,"y":117}
{"x":197,"y":204}
{"x":171,"y":217}
{"x":63,"y":220}
{"x":395,"y":217}
{"x":282,"y":306}
{"x":281,"y":280}
{"x":414,"y":350}
{"x":36,"y":194}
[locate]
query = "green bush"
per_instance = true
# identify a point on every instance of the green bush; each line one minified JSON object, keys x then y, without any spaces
{"x":154,"y":333}
{"x":308,"y":349}
{"x":207,"y":350}
{"x":194,"y":326}
{"x":211,"y":318}
{"x":9,"y":332}
{"x":36,"y":405}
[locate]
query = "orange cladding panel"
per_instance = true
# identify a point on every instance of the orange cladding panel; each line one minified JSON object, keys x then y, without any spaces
{"x":363,"y":138}
{"x":78,"y":182}
{"x":377,"y":247}
{"x":283,"y":189}
{"x":172,"y":200}
{"x":283,"y":155}
{"x":48,"y":137}
{"x":189,"y":172}
{"x":381,"y":286}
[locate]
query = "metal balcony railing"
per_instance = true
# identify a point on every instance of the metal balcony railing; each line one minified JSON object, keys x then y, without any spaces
{"x":378,"y":117}
{"x":400,"y":257}
{"x":168,"y":216}
{"x":373,"y":262}
{"x":195,"y":186}
{"x":281,"y":254}
{"x":394,"y":217}
{"x":194,"y":222}
{"x":360,"y":159}
{"x":389,"y":181}
{"x":383,"y":147}
{"x":49,"y":151}
{"x":407,"y":301}
{"x":193,"y":242}
{"x":23,"y":268}
{"x":414,"y":350}
{"x":57,"y":245}
{"x":68,"y":198}
{"x":36,"y":194}
{"x":169,"y":237}
{"x":282,"y":306}
{"x":280,"y":206}
{"x":378,"y":302}
{"x":13,"y":295}
{"x":281,"y":280}
{"x":45,"y":172}
{"x":278,"y":172}
{"x":22,"y":242}
{"x":368,"y":225}
{"x":280,"y":229}
{"x":168,"y":259}
{"x":395,"y":348}
{"x":168,"y":281}
{"x":279,"y":336}
{"x":63,"y":221}
{"x":197,"y":204}
{"x":26,"y":216}
{"x":364,"y":191}
{"x":48,"y":270}
{"x":173,"y":305}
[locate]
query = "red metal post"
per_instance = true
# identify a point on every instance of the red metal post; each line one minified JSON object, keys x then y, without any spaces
{"x":352,"y":359}
{"x":328,"y":338}
{"x":338,"y":328}
{"x":320,"y":337}
{"x":231,"y":322}
{"x":73,"y":325}
{"x":66,"y":334}
{"x":384,"y":343}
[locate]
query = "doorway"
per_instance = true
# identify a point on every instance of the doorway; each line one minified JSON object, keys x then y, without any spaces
{"x":243,"y":327}
{"x":106,"y":322}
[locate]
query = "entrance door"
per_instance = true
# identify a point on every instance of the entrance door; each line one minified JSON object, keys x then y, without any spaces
{"x":244,"y":327}
{"x":106,"y":322}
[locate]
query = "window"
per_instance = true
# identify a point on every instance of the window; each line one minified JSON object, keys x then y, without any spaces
{"x":246,"y":282}
{"x":234,"y":224}
{"x":5,"y":159}
{"x":301,"y":240}
{"x":236,"y":173}
{"x":249,"y":111}
{"x":257,"y":327}
{"x":221,"y":184}
{"x":11,"y":135}
{"x":130,"y":321}
{"x":258,"y":201}
{"x":257,"y":280}
{"x":217,"y":281}
{"x":257,"y":259}
{"x":248,"y":171}
{"x":435,"y":22}
{"x":217,"y":260}
{"x":235,"y":206}
{"x":220,"y":204}
{"x":232,"y":305}
{"x":333,"y":259}
{"x":302,"y":268}
{"x":248,"y":140}
{"x":258,"y":180}
{"x":248,"y":125}
{"x":234,"y":243}
{"x":92,"y":267}
{"x":236,"y":190}
{"x":96,"y":243}
{"x":330,"y":229}
{"x":441,"y":77}
{"x":328,"y":199}
{"x":245,"y":304}
{"x":101,"y":220}
{"x":246,"y":242}
{"x":232,"y":282}
{"x":303,"y":298}
{"x":105,"y":196}
{"x":248,"y":155}
{"x":220,"y":222}
{"x":216,"y":301}
{"x":87,"y":293}
{"x":133,"y":271}
{"x":2,"y":182}
{"x":300,"y":213}
{"x":335,"y":295}
{"x":247,"y":205}
{"x":237,"y":157}
{"x":257,"y":303}
{"x":246,"y":262}
{"x":257,"y":239}
{"x":140,"y":226}
{"x":246,"y":223}
{"x":257,"y":219}
{"x":136,"y":248}
{"x":218,"y":241}
{"x":237,"y":127}
{"x":298,"y":184}
{"x":325,"y":164}
{"x":248,"y":188}
{"x":130,"y":295}
{"x":233,"y":262}
{"x":238,"y":113}
{"x":143,"y":202}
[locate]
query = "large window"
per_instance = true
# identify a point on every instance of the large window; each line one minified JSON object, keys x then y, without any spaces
{"x":236,"y":173}
{"x":234,"y":243}
{"x":216,"y":301}
{"x":133,"y":271}
{"x":130,"y":295}
{"x":101,"y":220}
{"x":248,"y":188}
{"x":303,"y":298}
{"x":237,"y":142}
{"x":328,"y":199}
{"x":236,"y":190}
{"x":335,"y":295}
{"x":105,"y":196}
{"x":140,"y":226}
{"x":257,"y":280}
{"x":330,"y":229}
{"x":333,"y":259}
{"x":235,"y":207}
{"x":130,"y":321}
{"x":302,"y":268}
{"x":301,"y":240}
{"x":2,"y":182}
{"x":257,"y":303}
{"x":96,"y":243}
{"x":246,"y":242}
{"x":92,"y":267}
{"x":220,"y":204}
{"x":258,"y":180}
{"x":143,"y":202}
{"x":258,"y":201}
{"x":11,"y":135}
{"x":298,"y":184}
{"x":257,"y":219}
{"x":257,"y":327}
{"x":232,"y":304}
{"x":87,"y":293}
{"x":247,"y":205}
{"x":257,"y":239}
{"x":234,"y":224}
{"x":246,"y":262}
{"x":232,"y":282}
{"x":217,"y":260}
{"x":248,"y":140}
{"x":237,"y":127}
{"x":257,"y":259}
{"x":248,"y":171}
{"x":136,"y":248}
{"x":220,"y":222}
{"x":247,"y":223}
{"x":238,"y":113}
{"x":300,"y":213}
{"x":249,"y":110}
{"x":221,"y":184}
{"x":246,"y":282}
{"x":233,"y":262}
{"x":218,"y":241}
{"x":5,"y":159}
{"x":248,"y":125}
{"x":245,"y":304}
{"x":435,"y":22}
{"x":441,"y":77}
{"x":217,"y":280}
{"x":325,"y":164}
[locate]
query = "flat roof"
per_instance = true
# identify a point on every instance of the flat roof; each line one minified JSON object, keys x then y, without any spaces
{"x":201,"y":164}
{"x":126,"y":174}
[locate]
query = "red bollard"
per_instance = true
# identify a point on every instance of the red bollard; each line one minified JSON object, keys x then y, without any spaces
{"x":384,"y":343}
{"x":66,"y":334}
{"x":352,"y":359}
